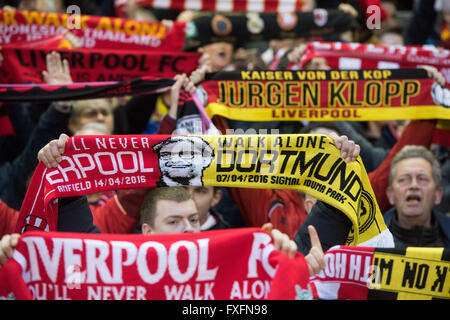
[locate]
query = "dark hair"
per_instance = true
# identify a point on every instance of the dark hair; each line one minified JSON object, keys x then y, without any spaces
{"x":148,"y":208}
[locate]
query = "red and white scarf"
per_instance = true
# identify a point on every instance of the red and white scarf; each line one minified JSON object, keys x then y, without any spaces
{"x":211,"y":265}
{"x":366,"y":273}
{"x":213,"y":5}
{"x":93,"y":31}
{"x":356,"y":56}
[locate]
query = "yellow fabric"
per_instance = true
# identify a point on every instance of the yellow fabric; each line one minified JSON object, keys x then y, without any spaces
{"x":309,"y":163}
{"x":360,"y":95}
{"x":420,"y":274}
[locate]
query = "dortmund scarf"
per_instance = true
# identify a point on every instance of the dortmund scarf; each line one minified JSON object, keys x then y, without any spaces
{"x":310,"y":163}
{"x":188,"y":266}
{"x":360,"y":273}
{"x":93,"y":31}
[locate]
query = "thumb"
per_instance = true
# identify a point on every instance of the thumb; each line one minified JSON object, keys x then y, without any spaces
{"x":62,"y":142}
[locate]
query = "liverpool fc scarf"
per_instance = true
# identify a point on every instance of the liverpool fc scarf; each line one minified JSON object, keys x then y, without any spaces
{"x":360,"y":273}
{"x":310,"y":163}
{"x":212,"y":5}
{"x":82,"y":90}
{"x":93,"y":31}
{"x":25,"y":65}
{"x":212,"y":265}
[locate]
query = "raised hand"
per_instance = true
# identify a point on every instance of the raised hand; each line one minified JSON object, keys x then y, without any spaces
{"x":50,"y":154}
{"x":57,"y":72}
{"x":314,"y":258}
{"x":281,"y":241}
{"x":349,"y":149}
{"x":7,"y":245}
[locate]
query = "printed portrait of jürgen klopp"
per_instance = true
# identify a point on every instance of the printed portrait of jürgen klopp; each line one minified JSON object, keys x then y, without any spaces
{"x":182,"y":160}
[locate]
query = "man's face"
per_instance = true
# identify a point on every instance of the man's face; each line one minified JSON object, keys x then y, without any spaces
{"x":204,"y":198}
{"x":180,"y":160}
{"x":97,"y":110}
{"x":413,"y":191}
{"x":174,"y":217}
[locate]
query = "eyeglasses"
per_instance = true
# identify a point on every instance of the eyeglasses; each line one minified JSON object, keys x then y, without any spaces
{"x":185,"y":155}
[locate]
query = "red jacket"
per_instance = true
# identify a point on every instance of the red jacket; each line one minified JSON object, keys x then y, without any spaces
{"x":8,"y":218}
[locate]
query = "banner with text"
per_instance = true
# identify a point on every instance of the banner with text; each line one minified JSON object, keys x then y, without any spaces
{"x":360,"y":273}
{"x":310,"y":163}
{"x":24,"y":65}
{"x":93,"y":31}
{"x":213,"y":265}
{"x":356,"y":95}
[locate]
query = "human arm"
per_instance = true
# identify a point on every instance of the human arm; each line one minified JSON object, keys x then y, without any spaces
{"x":283,"y":243}
{"x":168,"y":122}
{"x":371,"y":156}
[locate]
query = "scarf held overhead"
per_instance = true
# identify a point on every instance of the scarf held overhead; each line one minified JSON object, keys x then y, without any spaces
{"x":332,"y":95}
{"x":240,"y":27}
{"x":355,"y":56}
{"x":92,"y":31}
{"x":77,"y":266}
{"x":212,"y":5}
{"x":309,"y":163}
{"x":25,"y":65}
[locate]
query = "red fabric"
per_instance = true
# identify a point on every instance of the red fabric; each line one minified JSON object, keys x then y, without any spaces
{"x":167,"y":125}
{"x":214,"y":5}
{"x":222,"y":265}
{"x":441,"y":133}
{"x":138,"y":169}
{"x":6,"y":126}
{"x":8,"y":218}
{"x":94,"y":31}
{"x":110,"y":218}
{"x":341,"y":55}
{"x":25,"y":65}
{"x":343,"y":278}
